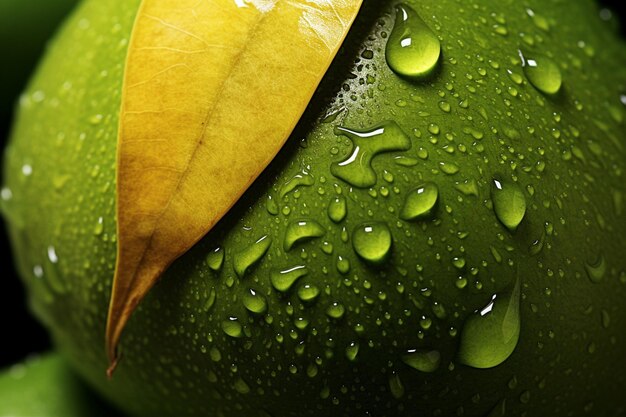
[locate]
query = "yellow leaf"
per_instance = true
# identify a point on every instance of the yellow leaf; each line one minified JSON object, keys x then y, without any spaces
{"x":212,"y":90}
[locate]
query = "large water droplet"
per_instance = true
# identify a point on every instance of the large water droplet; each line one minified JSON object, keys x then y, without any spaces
{"x":337,"y":208}
{"x":542,"y":72}
{"x":372,"y":242}
{"x":413,"y":49}
{"x":254,"y":302}
{"x":352,"y":351}
{"x":357,"y":169}
{"x":247,"y":257}
{"x":284,"y":279}
{"x":301,"y":230}
{"x":335,"y":310}
{"x":420,"y":202}
{"x":422,"y":360}
{"x":509,"y":203}
{"x":490,"y":334}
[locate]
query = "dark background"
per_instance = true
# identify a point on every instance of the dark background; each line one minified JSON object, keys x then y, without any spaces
{"x":23,"y":35}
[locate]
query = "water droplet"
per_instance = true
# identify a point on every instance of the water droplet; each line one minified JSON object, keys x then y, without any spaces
{"x":308,"y":292}
{"x":241,"y":386}
{"x":301,"y":179}
{"x":271,"y":206}
{"x":395,"y":386}
{"x":413,"y":49}
{"x":420,"y":202}
{"x":352,"y":351}
{"x":448,"y":168}
{"x":210,"y":300}
{"x":490,"y":334}
{"x":509,"y":203}
{"x":215,"y":259}
{"x":539,"y":21}
{"x":467,"y":187}
{"x":343,"y":265}
{"x":232,"y":327}
{"x":422,"y":360}
{"x":542,"y":72}
{"x":337,"y":208}
{"x":254,"y":302}
{"x":284,"y":279}
{"x":596,"y":269}
{"x":335,"y":310}
{"x":99,"y":227}
{"x":301,"y":230}
{"x":372,"y":242}
{"x":247,"y":257}
{"x":357,"y":169}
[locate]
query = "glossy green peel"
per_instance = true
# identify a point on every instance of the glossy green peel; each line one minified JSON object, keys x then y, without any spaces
{"x":333,"y":287}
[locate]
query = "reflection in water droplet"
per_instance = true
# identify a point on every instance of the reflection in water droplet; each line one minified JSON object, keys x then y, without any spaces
{"x":300,"y":231}
{"x":596,"y":269}
{"x":509,"y":203}
{"x":284,"y":279}
{"x":542,"y":72}
{"x":372,"y":242}
{"x":254,"y":302}
{"x":247,"y":257}
{"x":420,"y":202}
{"x":413,"y":50}
{"x":490,"y":334}
{"x":422,"y":360}
{"x":357,"y":169}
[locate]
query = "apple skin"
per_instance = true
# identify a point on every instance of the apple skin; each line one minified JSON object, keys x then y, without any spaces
{"x":565,"y":152}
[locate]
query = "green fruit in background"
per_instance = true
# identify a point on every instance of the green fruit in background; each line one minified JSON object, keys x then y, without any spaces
{"x":46,"y":387}
{"x":443,"y":242}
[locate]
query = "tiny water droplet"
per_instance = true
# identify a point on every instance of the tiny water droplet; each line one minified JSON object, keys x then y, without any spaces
{"x":542,"y":72}
{"x":413,"y":49}
{"x":337,"y":208}
{"x":284,"y":279}
{"x":357,"y":169}
{"x":490,"y":334}
{"x":247,"y":257}
{"x":215,"y":259}
{"x":372,"y":242}
{"x":254,"y":302}
{"x":509,"y":203}
{"x":422,"y":360}
{"x":99,"y":227}
{"x":301,"y":230}
{"x":420,"y":202}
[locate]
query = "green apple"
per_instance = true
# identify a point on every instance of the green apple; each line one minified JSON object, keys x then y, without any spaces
{"x":45,"y":386}
{"x":445,"y":241}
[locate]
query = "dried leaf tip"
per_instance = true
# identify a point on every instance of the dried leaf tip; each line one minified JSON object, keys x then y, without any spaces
{"x":194,"y":71}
